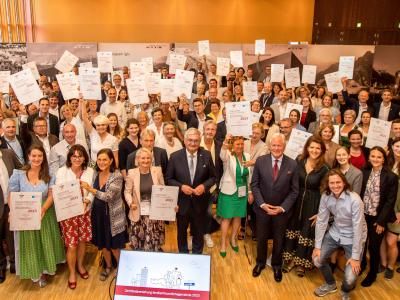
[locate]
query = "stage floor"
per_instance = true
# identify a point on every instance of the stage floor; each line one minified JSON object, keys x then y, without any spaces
{"x":231,"y":279}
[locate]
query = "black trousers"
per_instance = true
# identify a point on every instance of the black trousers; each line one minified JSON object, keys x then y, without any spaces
{"x":275,"y":227}
{"x":197,"y":227}
{"x":8,"y":236}
{"x":374,"y":241}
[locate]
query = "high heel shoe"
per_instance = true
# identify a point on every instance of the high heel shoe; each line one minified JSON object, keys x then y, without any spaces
{"x":223,"y":254}
{"x":234,"y":248}
{"x":84,"y":275}
{"x":72,"y":285}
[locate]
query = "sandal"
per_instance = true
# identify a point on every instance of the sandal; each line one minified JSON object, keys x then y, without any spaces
{"x":72,"y":285}
{"x":287,"y":266}
{"x":104,"y":275}
{"x":300,"y":271}
{"x":241,"y":234}
{"x":84,"y":275}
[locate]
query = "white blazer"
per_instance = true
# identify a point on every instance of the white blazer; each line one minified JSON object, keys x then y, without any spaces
{"x":65,"y":174}
{"x":228,"y":181}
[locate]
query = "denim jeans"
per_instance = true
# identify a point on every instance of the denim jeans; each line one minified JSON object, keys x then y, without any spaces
{"x":329,"y":245}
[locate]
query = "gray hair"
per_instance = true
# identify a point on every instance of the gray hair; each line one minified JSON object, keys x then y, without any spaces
{"x":286,"y":120}
{"x":192,"y":131}
{"x":278,"y":135}
{"x":325,"y":110}
{"x":147,"y":132}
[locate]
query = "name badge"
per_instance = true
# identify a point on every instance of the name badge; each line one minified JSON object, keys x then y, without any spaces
{"x":242,"y":191}
{"x":145,"y":208}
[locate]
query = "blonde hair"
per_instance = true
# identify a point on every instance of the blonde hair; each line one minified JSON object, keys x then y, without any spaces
{"x":139,"y":154}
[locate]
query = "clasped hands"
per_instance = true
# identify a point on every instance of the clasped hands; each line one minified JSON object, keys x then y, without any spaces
{"x":187,"y":190}
{"x":272,"y":210}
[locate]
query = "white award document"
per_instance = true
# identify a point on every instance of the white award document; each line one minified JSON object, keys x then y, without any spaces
{"x":333,"y":82}
{"x":66,"y":62}
{"x":223,"y":66}
{"x":4,"y":82}
{"x":32,"y":66}
{"x":86,"y":64}
{"x":183,"y":83}
{"x":292,"y":78}
{"x":238,"y":119}
{"x":68,"y":200}
{"x":121,"y":74}
{"x":336,"y":136}
{"x":105,"y":62}
{"x":296,"y":143}
{"x":25,"y":211}
{"x":236,"y":59}
{"x":137,"y":68}
{"x":137,"y":90}
{"x":309,"y":74}
{"x":148,"y":62}
{"x":204,"y":47}
{"x":153,"y":83}
{"x":25,"y":87}
{"x":69,"y":85}
{"x":176,"y":61}
{"x":250,"y":90}
{"x":259,"y":47}
{"x":167,"y":91}
{"x":164,"y":199}
{"x":378,"y":133}
{"x":277,"y":72}
{"x":346,"y":66}
{"x":290,"y":106}
{"x":89,"y":83}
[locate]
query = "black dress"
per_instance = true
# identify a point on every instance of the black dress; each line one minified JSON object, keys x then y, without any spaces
{"x":101,"y":225}
{"x":125,"y":148}
{"x":299,"y":237}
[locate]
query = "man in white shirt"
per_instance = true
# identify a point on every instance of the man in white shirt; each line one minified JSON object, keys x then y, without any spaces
{"x":279,"y":108}
{"x":212,"y":74}
{"x":58,"y":153}
{"x":114,"y":106}
{"x":54,"y":109}
{"x":117,"y":83}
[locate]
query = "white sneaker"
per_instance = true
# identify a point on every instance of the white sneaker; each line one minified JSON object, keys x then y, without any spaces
{"x":190,"y":240}
{"x":208,"y":240}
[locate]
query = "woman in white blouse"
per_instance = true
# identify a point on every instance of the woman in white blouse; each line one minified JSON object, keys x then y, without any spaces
{"x":99,"y":137}
{"x":170,"y":143}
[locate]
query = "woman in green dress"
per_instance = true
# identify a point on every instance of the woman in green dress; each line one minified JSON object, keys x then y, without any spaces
{"x":234,"y":189}
{"x":39,"y":250}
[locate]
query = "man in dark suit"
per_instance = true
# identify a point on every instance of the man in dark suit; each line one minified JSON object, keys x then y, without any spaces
{"x":192,"y":170}
{"x":8,"y":162}
{"x":196,"y":118}
{"x":10,"y":139}
{"x":275,"y":188}
{"x":359,"y":105}
{"x":39,"y":136}
{"x":53,"y":125}
{"x":221,"y":128}
{"x":160,"y":157}
{"x":267,"y":97}
{"x":386,"y":110}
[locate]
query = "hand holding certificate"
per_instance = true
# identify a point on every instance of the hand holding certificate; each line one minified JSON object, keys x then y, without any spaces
{"x":32,"y":66}
{"x":292,"y":78}
{"x":164,"y":200}
{"x":183,"y":83}
{"x":296,"y":143}
{"x":250,"y":90}
{"x":204,"y":48}
{"x":378,"y":133}
{"x":137,"y":90}
{"x":176,"y":61}
{"x":223,"y":66}
{"x":89,"y":82}
{"x":238,"y":119}
{"x":277,"y":72}
{"x":66,"y":62}
{"x":236,"y":59}
{"x":167,"y":90}
{"x":333,"y":82}
{"x":69,"y":85}
{"x":68,"y":200}
{"x":309,"y":74}
{"x":346,"y":66}
{"x":25,"y":211}
{"x":25,"y":87}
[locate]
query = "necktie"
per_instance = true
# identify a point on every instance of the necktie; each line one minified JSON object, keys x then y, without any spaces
{"x":191,"y":168}
{"x":276,"y":170}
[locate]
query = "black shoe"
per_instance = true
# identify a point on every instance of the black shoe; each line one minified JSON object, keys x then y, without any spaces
{"x":257,"y":270}
{"x":2,"y":275}
{"x":278,"y":275}
{"x":12,"y":268}
{"x":369,"y":280}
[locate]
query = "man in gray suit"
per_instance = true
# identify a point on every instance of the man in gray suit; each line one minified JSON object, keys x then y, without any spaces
{"x":275,"y":188}
{"x":8,"y":162}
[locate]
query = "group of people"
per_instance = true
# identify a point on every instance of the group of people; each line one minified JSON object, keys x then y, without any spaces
{"x":337,"y":195}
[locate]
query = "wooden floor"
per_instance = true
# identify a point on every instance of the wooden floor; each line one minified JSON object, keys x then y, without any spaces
{"x":231,"y":279}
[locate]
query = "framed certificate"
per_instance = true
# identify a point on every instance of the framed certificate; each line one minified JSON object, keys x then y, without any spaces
{"x":68,"y":200}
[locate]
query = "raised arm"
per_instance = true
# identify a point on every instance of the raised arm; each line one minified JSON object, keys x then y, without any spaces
{"x":85,"y":118}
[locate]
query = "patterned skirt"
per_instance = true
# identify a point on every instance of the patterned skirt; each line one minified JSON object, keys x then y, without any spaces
{"x":77,"y":229}
{"x":146,"y":234}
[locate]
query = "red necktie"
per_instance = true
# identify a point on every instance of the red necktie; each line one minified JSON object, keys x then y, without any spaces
{"x":276,"y":170}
